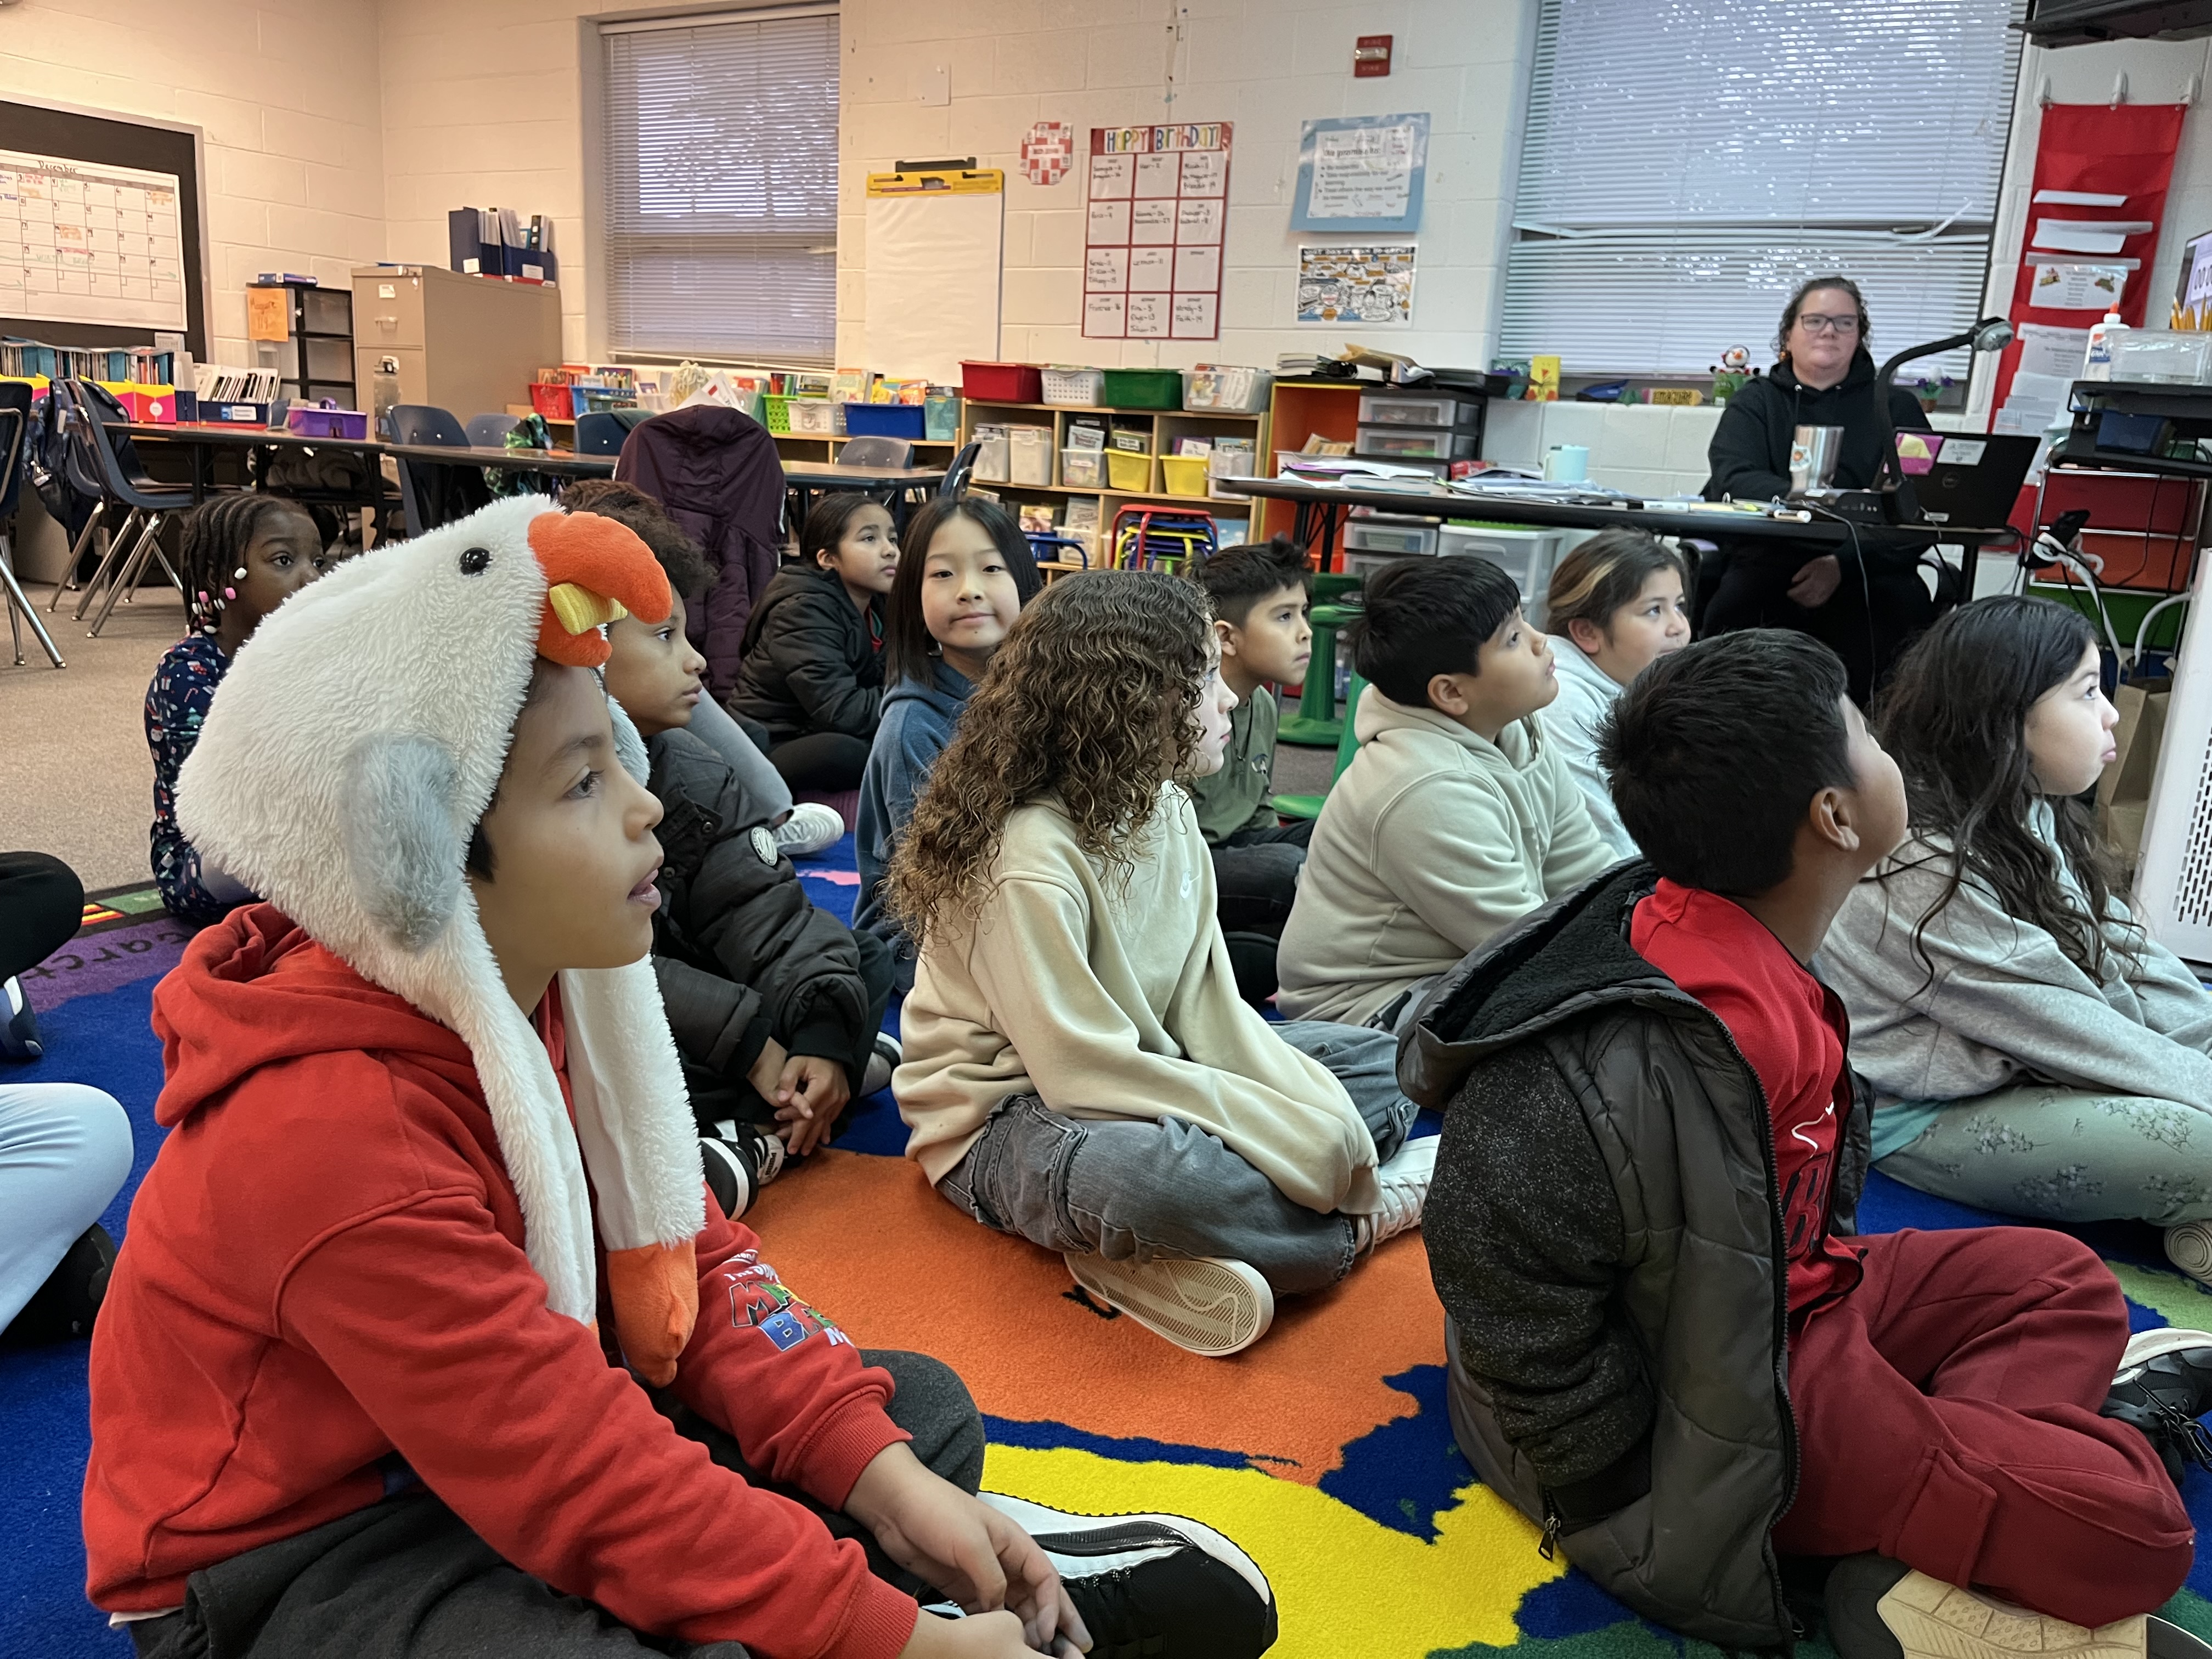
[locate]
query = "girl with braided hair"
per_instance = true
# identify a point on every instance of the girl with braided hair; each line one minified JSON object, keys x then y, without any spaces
{"x":243,"y":556}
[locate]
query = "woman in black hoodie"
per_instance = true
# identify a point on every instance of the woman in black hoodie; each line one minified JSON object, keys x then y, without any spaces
{"x":1866,"y":601}
{"x":812,"y":671}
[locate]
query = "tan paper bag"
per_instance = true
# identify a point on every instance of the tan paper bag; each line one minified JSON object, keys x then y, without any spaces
{"x":2123,"y":792}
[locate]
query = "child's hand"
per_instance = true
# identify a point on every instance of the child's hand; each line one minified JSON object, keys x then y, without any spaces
{"x":766,"y":1074}
{"x":985,"y":1636}
{"x":808,"y":1096}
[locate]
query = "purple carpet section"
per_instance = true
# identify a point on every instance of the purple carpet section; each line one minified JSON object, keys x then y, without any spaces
{"x":94,"y":964}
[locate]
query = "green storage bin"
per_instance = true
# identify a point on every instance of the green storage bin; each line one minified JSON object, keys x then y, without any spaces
{"x":1144,"y":388}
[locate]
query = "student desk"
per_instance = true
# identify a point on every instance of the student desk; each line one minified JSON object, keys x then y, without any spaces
{"x":567,"y":462}
{"x":203,"y":437}
{"x":889,"y":484}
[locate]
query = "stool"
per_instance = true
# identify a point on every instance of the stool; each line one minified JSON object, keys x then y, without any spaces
{"x":1347,"y":745}
{"x":1316,"y":725}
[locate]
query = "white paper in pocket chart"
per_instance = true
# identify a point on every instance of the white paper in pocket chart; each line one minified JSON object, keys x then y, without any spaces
{"x":1157,"y":210}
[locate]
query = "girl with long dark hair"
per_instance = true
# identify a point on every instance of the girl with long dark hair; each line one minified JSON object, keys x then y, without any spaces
{"x":2032,"y":1049}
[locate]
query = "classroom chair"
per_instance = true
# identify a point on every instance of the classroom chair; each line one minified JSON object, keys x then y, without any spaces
{"x":1347,"y":745}
{"x":1316,"y":725}
{"x":490,"y":431}
{"x":15,"y":436}
{"x":92,"y":411}
{"x":957,"y":476}
{"x":422,"y":486}
{"x":604,"y":433}
{"x":875,"y":451}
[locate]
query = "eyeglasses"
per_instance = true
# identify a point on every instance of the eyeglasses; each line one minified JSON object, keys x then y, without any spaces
{"x":1814,"y":323}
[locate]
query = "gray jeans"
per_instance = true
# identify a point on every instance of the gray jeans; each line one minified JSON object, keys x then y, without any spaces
{"x":1140,"y":1187}
{"x":2065,"y":1154}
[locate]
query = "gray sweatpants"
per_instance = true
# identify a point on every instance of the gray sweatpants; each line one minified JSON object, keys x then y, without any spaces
{"x":2065,"y":1154}
{"x":1141,"y":1188}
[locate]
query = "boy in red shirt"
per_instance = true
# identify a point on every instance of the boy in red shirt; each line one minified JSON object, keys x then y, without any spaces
{"x":1669,"y":1344}
{"x":372,"y":1374}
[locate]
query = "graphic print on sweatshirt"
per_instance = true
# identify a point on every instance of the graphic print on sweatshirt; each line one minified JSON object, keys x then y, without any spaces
{"x":761,"y":1301}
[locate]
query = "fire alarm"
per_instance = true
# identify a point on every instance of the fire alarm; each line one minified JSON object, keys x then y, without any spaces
{"x":1371,"y":56}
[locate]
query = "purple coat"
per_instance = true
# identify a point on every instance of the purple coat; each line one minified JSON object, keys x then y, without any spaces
{"x":717,"y":473}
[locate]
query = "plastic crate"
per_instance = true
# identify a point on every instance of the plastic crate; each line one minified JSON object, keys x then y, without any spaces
{"x":1525,"y":555}
{"x":813,"y":417}
{"x":553,"y":399}
{"x":1001,"y":383}
{"x":1143,"y":388}
{"x":1225,"y":390}
{"x":1072,"y":385}
{"x":886,"y":421}
{"x":775,"y":413}
{"x":1132,"y":474}
{"x":1185,"y":474}
{"x":1083,"y":469}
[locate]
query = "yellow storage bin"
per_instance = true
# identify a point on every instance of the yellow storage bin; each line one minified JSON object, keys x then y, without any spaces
{"x":1186,"y":474}
{"x":1132,"y":474}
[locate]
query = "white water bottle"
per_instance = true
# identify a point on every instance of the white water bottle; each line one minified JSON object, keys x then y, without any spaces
{"x":2097,"y":364}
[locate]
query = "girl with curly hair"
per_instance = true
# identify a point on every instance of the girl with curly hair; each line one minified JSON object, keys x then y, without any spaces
{"x":1080,"y":1069}
{"x":2032,"y":1049}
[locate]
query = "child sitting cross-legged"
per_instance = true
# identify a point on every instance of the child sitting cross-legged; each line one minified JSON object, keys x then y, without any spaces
{"x":1457,"y":816}
{"x":965,"y":574}
{"x":1079,"y":1068}
{"x":776,"y":1005}
{"x":1259,"y":598}
{"x":1616,"y":606}
{"x":373,"y":1371}
{"x":813,"y":671}
{"x":1668,"y":1345}
{"x":2032,"y":1049}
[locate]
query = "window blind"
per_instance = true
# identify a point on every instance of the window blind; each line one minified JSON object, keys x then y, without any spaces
{"x":1686,"y":163}
{"x":720,"y":207}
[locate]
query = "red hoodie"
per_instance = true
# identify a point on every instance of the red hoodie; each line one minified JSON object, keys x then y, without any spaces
{"x":325,"y":1266}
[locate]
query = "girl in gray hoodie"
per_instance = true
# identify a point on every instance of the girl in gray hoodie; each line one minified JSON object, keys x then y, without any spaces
{"x":2032,"y":1049}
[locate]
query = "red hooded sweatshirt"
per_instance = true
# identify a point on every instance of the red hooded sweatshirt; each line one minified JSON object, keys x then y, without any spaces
{"x":325,"y":1266}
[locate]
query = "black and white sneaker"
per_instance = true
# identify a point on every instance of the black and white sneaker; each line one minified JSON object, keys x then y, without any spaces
{"x":19,"y":1026}
{"x":2163,"y":1386}
{"x":740,"y":1159}
{"x":885,"y":1058}
{"x":1162,"y":1586}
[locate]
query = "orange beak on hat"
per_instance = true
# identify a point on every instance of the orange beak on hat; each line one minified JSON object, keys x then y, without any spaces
{"x":596,"y":571}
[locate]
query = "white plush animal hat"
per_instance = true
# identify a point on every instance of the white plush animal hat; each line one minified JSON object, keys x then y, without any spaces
{"x":346,"y":757}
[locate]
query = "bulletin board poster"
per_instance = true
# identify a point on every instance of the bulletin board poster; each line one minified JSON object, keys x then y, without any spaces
{"x":1362,"y":172}
{"x":89,"y":242}
{"x":1371,"y":285}
{"x":1158,"y":209}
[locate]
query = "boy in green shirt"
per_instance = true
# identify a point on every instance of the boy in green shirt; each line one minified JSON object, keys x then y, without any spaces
{"x":1259,"y":595}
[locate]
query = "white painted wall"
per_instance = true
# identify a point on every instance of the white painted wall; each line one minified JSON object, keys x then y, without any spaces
{"x":286,"y":94}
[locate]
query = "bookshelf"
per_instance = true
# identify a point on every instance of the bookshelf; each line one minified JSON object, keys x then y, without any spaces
{"x":1166,"y":426}
{"x":315,"y":360}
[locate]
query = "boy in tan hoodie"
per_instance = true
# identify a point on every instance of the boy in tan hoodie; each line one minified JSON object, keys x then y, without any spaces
{"x":1455,"y":818}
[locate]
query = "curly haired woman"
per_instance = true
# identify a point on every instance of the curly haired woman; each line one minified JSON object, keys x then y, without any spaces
{"x":1080,"y":1069}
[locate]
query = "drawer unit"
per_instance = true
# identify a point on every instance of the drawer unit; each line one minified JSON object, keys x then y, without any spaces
{"x":1414,"y":411}
{"x":1389,"y":536}
{"x":1417,"y":443}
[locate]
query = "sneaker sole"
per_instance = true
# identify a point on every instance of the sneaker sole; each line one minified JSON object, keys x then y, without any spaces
{"x":2147,"y":1346}
{"x":2192,"y":1255}
{"x":1044,"y":1524}
{"x":1207,"y":1306}
{"x":1931,"y":1620}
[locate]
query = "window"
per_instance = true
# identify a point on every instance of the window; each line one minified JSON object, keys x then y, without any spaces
{"x":720,"y":210}
{"x":1687,"y":163}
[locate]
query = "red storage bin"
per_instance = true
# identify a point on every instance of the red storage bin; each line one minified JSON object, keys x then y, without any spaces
{"x":2142,"y":525}
{"x":1002,"y":383}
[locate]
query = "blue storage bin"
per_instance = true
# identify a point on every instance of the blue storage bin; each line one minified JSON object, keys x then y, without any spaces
{"x":885,"y":420}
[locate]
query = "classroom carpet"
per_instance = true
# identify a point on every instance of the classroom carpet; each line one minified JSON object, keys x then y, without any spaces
{"x":1324,"y":1451}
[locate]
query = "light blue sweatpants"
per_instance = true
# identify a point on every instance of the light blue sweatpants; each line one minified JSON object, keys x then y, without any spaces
{"x":64,"y":1152}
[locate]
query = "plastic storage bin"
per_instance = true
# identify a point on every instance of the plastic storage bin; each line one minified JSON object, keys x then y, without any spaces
{"x":1526,"y":556}
{"x":993,"y":457}
{"x":1001,"y":383}
{"x":1072,"y":385}
{"x":326,"y":420}
{"x":1417,"y":443}
{"x":775,"y":413}
{"x":940,"y":417}
{"x":1143,"y":388}
{"x":1131,"y":474}
{"x":2159,"y":355}
{"x":1231,"y":464}
{"x":814,"y":417}
{"x":1412,"y":411}
{"x":885,"y":421}
{"x":1363,"y":565}
{"x":1223,"y":389}
{"x":1382,"y":536}
{"x":553,"y":399}
{"x":1083,"y":469}
{"x":1185,"y":474}
{"x":1028,"y":454}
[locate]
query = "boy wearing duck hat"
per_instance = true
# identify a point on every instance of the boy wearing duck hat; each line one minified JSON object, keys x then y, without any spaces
{"x":425,"y":1340}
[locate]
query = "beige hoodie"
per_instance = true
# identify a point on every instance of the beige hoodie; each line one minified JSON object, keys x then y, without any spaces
{"x":1114,"y":1001}
{"x":1432,"y":840}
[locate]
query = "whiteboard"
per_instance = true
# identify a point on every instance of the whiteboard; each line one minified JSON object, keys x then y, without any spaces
{"x":90,"y":242}
{"x":934,"y":280}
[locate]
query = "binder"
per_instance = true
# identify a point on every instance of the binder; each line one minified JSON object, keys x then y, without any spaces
{"x":472,"y":241}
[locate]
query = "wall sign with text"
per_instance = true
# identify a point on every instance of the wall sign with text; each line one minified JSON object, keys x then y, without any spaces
{"x":1158,"y":207}
{"x":1361,"y":173}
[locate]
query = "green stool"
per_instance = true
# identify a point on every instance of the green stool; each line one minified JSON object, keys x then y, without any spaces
{"x":1309,"y":806}
{"x":1316,"y":725}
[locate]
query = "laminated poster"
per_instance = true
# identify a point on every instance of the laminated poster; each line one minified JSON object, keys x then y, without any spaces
{"x":1370,"y":285}
{"x":1361,"y":173}
{"x":2071,"y":287}
{"x":1158,"y":211}
{"x":89,"y":242}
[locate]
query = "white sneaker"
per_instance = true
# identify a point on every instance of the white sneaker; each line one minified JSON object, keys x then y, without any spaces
{"x":811,"y":827}
{"x":1404,"y":1183}
{"x":882,"y":1063}
{"x":1206,"y":1304}
{"x":1918,"y":1617}
{"x":2189,"y":1246}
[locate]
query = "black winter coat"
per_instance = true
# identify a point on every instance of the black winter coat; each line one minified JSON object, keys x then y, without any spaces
{"x":1606,"y":1238}
{"x":741,"y":952}
{"x":808,"y":664}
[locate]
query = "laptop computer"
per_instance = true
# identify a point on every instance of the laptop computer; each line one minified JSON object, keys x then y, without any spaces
{"x":1964,"y":480}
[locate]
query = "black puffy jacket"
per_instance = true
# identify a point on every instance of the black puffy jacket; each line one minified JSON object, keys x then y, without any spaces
{"x":1604,"y":1233}
{"x":741,"y":952}
{"x":809,"y":664}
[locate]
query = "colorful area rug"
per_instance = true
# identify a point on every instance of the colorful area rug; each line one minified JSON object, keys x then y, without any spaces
{"x":1324,"y":1451}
